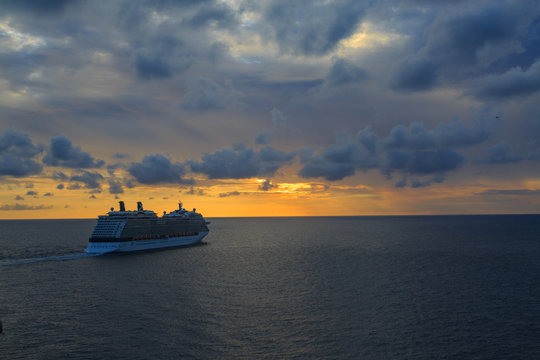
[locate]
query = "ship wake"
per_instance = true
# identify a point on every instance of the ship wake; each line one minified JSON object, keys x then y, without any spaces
{"x":75,"y":256}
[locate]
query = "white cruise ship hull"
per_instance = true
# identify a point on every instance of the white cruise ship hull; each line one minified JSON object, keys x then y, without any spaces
{"x":146,"y":244}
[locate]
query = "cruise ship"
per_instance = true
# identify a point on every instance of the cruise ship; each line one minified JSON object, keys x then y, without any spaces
{"x":122,"y":231}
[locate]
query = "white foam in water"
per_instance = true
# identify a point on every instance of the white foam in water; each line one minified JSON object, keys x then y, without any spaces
{"x":46,"y":258}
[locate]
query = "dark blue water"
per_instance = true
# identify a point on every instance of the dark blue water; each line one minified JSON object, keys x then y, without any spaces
{"x":448,"y":287}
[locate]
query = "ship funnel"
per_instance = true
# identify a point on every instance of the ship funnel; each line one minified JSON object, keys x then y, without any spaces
{"x":139,"y":206}
{"x":122,"y":206}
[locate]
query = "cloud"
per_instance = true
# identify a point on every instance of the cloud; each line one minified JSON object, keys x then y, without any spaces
{"x":31,"y":193}
{"x":312,"y":27}
{"x":152,"y":68}
{"x":415,"y":75}
{"x":241,"y":163}
{"x":121,"y":156}
{"x":43,"y":7}
{"x":454,"y":134}
{"x":193,"y":191}
{"x":63,"y":153}
{"x":463,"y":41}
{"x":91,"y":180}
{"x":513,"y":83}
{"x":19,"y":197}
{"x":423,"y":162}
{"x":231,"y":193}
{"x":500,"y":154}
{"x":17,"y":206}
{"x":511,"y":192}
{"x":115,"y":187}
{"x":344,"y":72}
{"x":278,"y":120}
{"x":411,"y":150}
{"x":266,"y":185}
{"x":158,"y":169}
{"x":16,"y":155}
{"x":205,"y":94}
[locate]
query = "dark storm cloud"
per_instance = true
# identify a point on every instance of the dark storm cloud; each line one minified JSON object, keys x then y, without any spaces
{"x":309,"y":27}
{"x":91,"y":180}
{"x":516,"y":82}
{"x":328,"y":170}
{"x":423,"y":162}
{"x":63,"y":153}
{"x":40,"y":7}
{"x":158,"y":169}
{"x":241,"y":163}
{"x":16,"y":155}
{"x":454,"y":134}
{"x":152,"y":68}
{"x":466,"y":41}
{"x":18,"y":144}
{"x":411,"y":150}
{"x":415,"y":75}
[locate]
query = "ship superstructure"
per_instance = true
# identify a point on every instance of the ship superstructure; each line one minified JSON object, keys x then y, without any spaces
{"x":133,"y":230}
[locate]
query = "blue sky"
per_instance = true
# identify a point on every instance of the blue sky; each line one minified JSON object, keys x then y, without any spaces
{"x":270,"y":107}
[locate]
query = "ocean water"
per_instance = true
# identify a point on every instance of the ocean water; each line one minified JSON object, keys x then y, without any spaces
{"x":411,"y":287}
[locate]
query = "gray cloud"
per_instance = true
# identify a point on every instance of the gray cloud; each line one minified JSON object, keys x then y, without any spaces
{"x":454,"y":134}
{"x":312,"y":27}
{"x":158,"y":169}
{"x":512,"y":192}
{"x":344,"y":72}
{"x":7,"y":207}
{"x":115,"y":187}
{"x":409,"y":151}
{"x":91,"y":180}
{"x":241,"y":163}
{"x":278,"y":120}
{"x":513,"y":83}
{"x":63,"y":153}
{"x":500,"y":154}
{"x":205,"y":94}
{"x":16,"y":155}
{"x":464,"y":41}
{"x":266,"y":185}
{"x":231,"y":193}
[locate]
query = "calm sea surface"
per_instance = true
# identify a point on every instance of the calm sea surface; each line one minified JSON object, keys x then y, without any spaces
{"x":441,"y":287}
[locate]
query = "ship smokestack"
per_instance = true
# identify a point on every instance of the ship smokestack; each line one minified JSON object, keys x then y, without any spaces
{"x":139,"y":206}
{"x":122,"y":206}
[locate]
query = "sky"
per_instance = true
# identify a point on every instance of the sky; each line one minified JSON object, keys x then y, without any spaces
{"x":270,"y":107}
